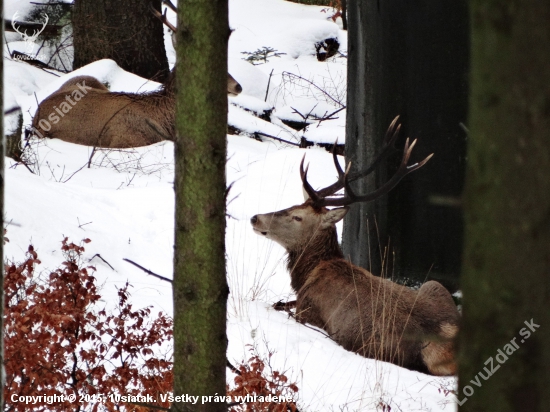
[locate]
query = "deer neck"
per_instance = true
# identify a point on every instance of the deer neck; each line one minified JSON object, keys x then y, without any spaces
{"x":303,"y":259}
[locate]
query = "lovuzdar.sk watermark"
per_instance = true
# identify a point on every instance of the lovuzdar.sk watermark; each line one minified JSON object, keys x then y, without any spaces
{"x":29,"y":39}
{"x":494,"y":363}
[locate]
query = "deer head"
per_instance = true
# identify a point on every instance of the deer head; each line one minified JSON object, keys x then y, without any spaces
{"x":299,"y":224}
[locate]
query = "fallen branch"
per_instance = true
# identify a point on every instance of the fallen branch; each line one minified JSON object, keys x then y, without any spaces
{"x":277,"y":138}
{"x":99,"y":256}
{"x":148,"y":271}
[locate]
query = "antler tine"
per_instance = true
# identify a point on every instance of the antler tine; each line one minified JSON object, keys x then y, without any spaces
{"x":339,"y":184}
{"x":171,"y":5}
{"x":389,"y":146}
{"x":404,"y":169}
{"x":313,"y":195}
{"x":335,"y":158}
{"x":162,"y":17}
{"x":393,"y":131}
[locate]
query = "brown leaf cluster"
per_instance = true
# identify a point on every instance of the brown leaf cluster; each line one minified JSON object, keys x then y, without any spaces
{"x":257,"y":377}
{"x":58,"y":342}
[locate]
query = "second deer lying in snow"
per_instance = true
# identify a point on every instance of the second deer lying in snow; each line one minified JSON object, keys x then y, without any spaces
{"x":366,"y":314}
{"x":83,"y":111}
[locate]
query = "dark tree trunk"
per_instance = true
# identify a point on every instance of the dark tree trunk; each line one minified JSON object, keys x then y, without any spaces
{"x":506,"y":278}
{"x":408,"y":59}
{"x":200,"y":287}
{"x":125,"y":31}
{"x":343,"y":4}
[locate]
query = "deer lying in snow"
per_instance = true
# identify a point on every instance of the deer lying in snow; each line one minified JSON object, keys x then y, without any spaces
{"x":366,"y":314}
{"x":83,"y":111}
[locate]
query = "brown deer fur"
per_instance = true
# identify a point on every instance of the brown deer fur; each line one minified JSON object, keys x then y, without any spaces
{"x":113,"y":120}
{"x":369,"y":315}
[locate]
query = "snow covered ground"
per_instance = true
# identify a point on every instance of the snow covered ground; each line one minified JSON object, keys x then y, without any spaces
{"x":125,"y":202}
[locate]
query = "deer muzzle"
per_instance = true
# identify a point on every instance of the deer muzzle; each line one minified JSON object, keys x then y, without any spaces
{"x":255,"y":222}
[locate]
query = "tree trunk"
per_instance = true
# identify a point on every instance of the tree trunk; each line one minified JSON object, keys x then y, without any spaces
{"x":200,"y":287}
{"x":125,"y":31}
{"x":13,"y":140}
{"x":408,"y":59}
{"x":506,"y":282}
{"x":2,"y":185}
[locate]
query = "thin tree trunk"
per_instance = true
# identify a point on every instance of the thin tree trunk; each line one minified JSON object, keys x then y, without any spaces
{"x":2,"y":185}
{"x":125,"y":31}
{"x":200,"y":286}
{"x":506,"y":278}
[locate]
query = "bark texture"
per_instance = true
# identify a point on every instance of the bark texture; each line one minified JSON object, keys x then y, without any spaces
{"x":125,"y":31}
{"x":506,"y":278}
{"x":2,"y":185}
{"x":408,"y":59}
{"x":200,"y":286}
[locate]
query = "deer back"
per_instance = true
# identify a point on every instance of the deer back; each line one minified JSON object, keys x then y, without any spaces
{"x":380,"y":319}
{"x":83,"y":111}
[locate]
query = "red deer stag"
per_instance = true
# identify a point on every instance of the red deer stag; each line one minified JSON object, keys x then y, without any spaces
{"x":366,"y":314}
{"x":83,"y":111}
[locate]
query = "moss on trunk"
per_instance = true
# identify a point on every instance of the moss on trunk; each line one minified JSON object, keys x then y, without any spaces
{"x":200,"y":286}
{"x":506,"y":277}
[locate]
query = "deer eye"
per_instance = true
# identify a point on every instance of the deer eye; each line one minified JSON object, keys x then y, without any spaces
{"x":297,"y":218}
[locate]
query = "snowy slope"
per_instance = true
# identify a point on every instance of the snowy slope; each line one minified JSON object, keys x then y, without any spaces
{"x":124,"y":203}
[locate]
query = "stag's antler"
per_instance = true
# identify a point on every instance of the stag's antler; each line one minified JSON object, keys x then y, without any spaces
{"x":322,"y":197}
{"x":162,"y":17}
{"x":171,"y":5}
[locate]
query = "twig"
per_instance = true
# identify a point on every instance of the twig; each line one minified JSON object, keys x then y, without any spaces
{"x":52,"y":4}
{"x":69,"y":178}
{"x":329,"y":116}
{"x":99,"y":256}
{"x":7,"y":44}
{"x":91,"y":156}
{"x":268,"y":83}
{"x":306,"y":117}
{"x":148,"y":271}
{"x":233,"y":369}
{"x":82,"y":224}
{"x":277,"y":138}
{"x":314,"y":85}
{"x":287,"y":306}
{"x":12,"y":110}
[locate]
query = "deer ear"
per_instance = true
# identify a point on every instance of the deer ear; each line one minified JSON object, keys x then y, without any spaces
{"x":333,"y":216}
